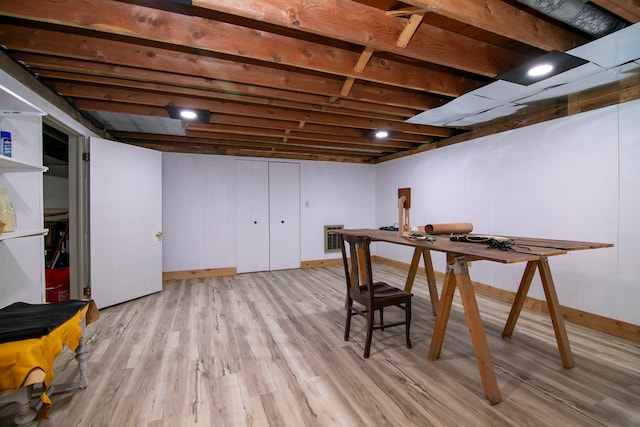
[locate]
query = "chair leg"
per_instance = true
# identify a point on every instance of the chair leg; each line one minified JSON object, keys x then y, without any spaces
{"x":347,"y":325}
{"x":382,"y":318}
{"x":407,"y":318}
{"x":370,"y":321}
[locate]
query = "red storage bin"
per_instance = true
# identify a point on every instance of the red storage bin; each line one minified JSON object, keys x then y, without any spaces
{"x":57,"y":281}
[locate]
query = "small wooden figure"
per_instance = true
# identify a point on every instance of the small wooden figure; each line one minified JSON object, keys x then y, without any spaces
{"x":404,"y":207}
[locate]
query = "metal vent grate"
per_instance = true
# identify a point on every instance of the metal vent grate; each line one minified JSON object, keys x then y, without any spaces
{"x":332,"y":240}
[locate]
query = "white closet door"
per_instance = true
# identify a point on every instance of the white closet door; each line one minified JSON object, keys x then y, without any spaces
{"x":125,"y":214}
{"x":284,"y":213}
{"x":252,"y":213}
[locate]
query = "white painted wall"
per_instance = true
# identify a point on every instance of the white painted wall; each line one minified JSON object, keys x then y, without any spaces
{"x":624,"y":294}
{"x":337,"y":193}
{"x":574,"y":178}
{"x":198,"y":211}
{"x":199,"y":208}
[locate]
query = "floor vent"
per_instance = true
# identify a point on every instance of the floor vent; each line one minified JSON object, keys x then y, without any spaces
{"x":332,"y":240}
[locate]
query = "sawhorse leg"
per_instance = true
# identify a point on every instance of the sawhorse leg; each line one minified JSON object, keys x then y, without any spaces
{"x":458,"y":275}
{"x":431,"y":276}
{"x":552,"y":303}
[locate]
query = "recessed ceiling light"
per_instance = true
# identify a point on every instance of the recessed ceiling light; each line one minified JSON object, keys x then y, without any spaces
{"x":379,"y":133}
{"x":549,"y":64}
{"x":540,"y":70}
{"x":188,"y":114}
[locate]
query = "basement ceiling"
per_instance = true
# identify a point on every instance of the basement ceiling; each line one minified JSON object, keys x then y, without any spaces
{"x":311,"y":79}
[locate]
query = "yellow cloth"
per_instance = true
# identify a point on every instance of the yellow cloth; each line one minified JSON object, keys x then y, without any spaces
{"x":19,"y":358}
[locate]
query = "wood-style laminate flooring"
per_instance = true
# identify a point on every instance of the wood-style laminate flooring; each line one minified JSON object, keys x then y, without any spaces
{"x":267,"y":349}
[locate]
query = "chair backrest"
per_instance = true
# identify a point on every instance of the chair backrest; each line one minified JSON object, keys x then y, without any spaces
{"x":357,"y":263}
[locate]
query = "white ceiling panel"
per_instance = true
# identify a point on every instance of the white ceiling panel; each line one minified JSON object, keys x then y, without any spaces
{"x":615,"y":49}
{"x":569,"y":76}
{"x":591,"y":82}
{"x":503,"y":90}
{"x":435,"y":116}
{"x":496,"y":99}
{"x":463,"y":106}
{"x":494,"y":113}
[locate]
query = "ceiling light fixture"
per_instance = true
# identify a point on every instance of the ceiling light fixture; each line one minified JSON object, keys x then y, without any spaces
{"x":540,"y":70}
{"x":378,"y":133}
{"x":188,"y":114}
{"x":549,"y":64}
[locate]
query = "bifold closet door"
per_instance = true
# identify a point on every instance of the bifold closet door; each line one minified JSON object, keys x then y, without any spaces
{"x":284,"y":215}
{"x":268,"y":215}
{"x":252,"y":216}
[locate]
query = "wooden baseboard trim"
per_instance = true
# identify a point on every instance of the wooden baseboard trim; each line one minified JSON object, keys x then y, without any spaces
{"x":198,"y":274}
{"x":321,"y":263}
{"x":607,"y":325}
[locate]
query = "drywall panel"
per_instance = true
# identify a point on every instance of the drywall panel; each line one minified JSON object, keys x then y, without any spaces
{"x":198,"y":212}
{"x":627,"y":293}
{"x":334,"y":194}
{"x":557,"y":179}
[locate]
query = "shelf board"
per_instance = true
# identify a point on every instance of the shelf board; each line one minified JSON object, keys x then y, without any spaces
{"x":9,"y":164}
{"x":23,"y":233}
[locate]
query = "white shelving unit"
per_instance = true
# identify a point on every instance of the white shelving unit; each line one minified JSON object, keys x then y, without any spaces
{"x":23,"y":233}
{"x":11,"y":165}
{"x":22,"y":266}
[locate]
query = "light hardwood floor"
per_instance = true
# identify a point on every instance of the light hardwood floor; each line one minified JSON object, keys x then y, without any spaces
{"x":266,"y":349}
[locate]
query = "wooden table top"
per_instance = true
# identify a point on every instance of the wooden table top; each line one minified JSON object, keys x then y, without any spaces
{"x":523,"y":249}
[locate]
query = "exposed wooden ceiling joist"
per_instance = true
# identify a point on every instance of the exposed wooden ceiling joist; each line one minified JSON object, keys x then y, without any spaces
{"x":285,"y":78}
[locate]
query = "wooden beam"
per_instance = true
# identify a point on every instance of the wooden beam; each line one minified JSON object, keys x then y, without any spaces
{"x":140,"y":95}
{"x":390,"y":145}
{"x":410,"y":29}
{"x":296,"y":100}
{"x":206,"y":35}
{"x":334,"y":18}
{"x":250,"y":81}
{"x":255,"y":143}
{"x":625,"y":9}
{"x":406,"y":11}
{"x":346,"y":88}
{"x":242,"y":92}
{"x":365,"y":56}
{"x":499,"y":17}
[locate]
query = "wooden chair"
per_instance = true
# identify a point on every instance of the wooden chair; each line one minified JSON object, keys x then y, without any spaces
{"x":373,"y":296}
